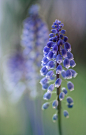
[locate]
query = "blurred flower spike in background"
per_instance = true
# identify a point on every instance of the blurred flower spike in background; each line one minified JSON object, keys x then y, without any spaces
{"x":56,"y":62}
{"x":23,"y":66}
{"x":34,"y":35}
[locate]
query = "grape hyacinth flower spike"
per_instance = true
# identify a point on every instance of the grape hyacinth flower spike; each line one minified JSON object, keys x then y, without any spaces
{"x":56,"y":63}
{"x":34,"y":37}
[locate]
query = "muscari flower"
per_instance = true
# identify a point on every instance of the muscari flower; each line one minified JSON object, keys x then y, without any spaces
{"x":57,"y":61}
{"x":34,"y":35}
{"x":23,"y":67}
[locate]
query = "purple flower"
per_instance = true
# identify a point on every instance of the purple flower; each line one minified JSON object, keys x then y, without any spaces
{"x":34,"y":35}
{"x":66,"y":114}
{"x":55,"y":117}
{"x":50,"y":88}
{"x":66,"y":63}
{"x":55,"y":104}
{"x":58,"y":61}
{"x":59,"y":69}
{"x":45,"y":105}
{"x":59,"y":58}
{"x":61,"y":96}
{"x":43,"y":70}
{"x":68,"y":74}
{"x":58,"y":82}
{"x":64,"y":90}
{"x":47,"y":96}
{"x":70,"y":86}
{"x":50,"y":74}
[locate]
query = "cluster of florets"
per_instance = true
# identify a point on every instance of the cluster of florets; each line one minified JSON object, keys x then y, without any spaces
{"x":22,"y":68}
{"x":56,"y":62}
{"x":34,"y":35}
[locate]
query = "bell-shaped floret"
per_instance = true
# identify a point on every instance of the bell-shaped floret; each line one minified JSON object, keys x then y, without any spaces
{"x":45,"y":86}
{"x":63,"y":73}
{"x":70,"y":86}
{"x":45,"y":105}
{"x":63,"y":31}
{"x":50,"y":55}
{"x":64,"y":90}
{"x":47,"y":96}
{"x":61,"y":36}
{"x":66,"y":114}
{"x":58,"y":82}
{"x":67,"y":46}
{"x":65,"y":38}
{"x":46,"y":50}
{"x":50,"y":74}
{"x":61,"y":96}
{"x":55,"y":49}
{"x":69,"y":55}
{"x":50,"y":65}
{"x":55,"y":104}
{"x":55,"y":117}
{"x":64,"y":53}
{"x":53,"y":30}
{"x":51,"y":34}
{"x":59,"y":69}
{"x":68,"y":74}
{"x":54,"y":39}
{"x":66,"y":63}
{"x":72,"y":63}
{"x":59,"y":59}
{"x":70,"y":100}
{"x":53,"y":26}
{"x":43,"y":71}
{"x":44,"y":81}
{"x":45,"y":60}
{"x":74,"y":74}
{"x":49,"y":44}
{"x":50,"y":88}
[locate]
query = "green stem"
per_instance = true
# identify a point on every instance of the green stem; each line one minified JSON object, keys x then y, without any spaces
{"x":59,"y":102}
{"x":59,"y":112}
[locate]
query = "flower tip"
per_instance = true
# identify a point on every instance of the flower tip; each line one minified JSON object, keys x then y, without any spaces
{"x":66,"y":114}
{"x":55,"y":117}
{"x":45,"y":106}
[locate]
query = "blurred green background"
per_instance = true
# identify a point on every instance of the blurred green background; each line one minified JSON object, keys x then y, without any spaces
{"x":26,"y":117}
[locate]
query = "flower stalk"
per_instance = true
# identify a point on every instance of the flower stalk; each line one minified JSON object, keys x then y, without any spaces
{"x":56,"y":63}
{"x":59,"y":102}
